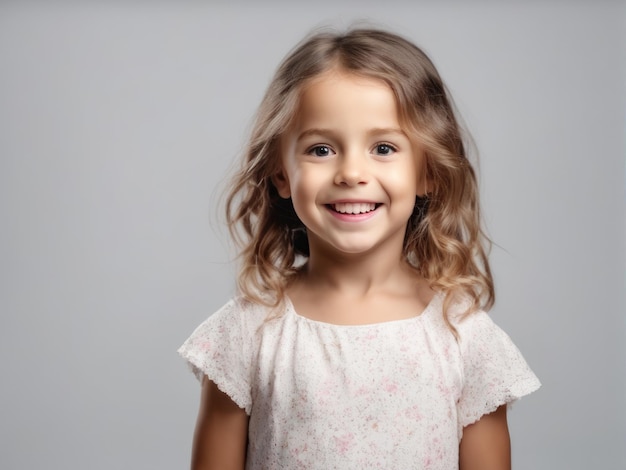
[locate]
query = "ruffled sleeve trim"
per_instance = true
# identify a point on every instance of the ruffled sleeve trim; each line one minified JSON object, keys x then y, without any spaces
{"x":494,"y":371}
{"x":219,"y":348}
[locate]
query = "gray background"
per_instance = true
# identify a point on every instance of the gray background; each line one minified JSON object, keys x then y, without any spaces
{"x":118,"y":124}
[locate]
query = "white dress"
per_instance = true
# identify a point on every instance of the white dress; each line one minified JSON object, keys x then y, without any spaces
{"x":392,"y":395}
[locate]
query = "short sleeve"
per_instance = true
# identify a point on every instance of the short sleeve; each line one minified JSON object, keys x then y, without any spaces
{"x":220,"y":349}
{"x":494,"y":371}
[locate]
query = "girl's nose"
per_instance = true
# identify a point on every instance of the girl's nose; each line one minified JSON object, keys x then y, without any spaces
{"x":351,"y":170}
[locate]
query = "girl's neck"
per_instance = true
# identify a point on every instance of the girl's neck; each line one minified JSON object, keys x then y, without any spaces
{"x":356,"y":274}
{"x":359,"y":289}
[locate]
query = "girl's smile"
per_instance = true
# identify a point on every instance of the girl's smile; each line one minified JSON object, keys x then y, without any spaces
{"x":353,"y":207}
{"x":353,"y":211}
{"x":348,"y":166}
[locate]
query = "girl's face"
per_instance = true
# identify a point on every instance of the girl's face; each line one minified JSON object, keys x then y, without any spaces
{"x":351,"y":171}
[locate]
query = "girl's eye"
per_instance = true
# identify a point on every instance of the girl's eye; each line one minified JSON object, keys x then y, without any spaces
{"x":384,"y":149}
{"x":320,"y":151}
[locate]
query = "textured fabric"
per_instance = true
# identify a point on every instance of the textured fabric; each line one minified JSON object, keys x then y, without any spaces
{"x":388,"y":395}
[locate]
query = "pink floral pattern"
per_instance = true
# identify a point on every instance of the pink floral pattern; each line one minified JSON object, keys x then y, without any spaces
{"x":389,"y":395}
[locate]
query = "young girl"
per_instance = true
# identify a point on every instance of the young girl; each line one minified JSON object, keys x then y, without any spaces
{"x":359,"y":338}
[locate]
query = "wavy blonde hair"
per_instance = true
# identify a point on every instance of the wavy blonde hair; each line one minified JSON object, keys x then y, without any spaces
{"x":444,"y":241}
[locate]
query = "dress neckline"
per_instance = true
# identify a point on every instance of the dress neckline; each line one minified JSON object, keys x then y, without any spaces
{"x":430,"y":307}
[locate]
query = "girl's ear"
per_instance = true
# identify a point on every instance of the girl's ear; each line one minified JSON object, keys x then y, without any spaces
{"x":281,"y":182}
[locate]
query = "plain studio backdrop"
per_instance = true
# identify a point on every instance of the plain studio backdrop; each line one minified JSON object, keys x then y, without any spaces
{"x":118,"y":126}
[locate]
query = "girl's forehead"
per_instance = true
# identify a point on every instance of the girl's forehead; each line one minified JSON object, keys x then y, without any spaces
{"x":333,"y":93}
{"x":338,"y":74}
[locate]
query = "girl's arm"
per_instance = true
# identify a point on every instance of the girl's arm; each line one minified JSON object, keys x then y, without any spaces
{"x":485,"y":444}
{"x":221,"y":432}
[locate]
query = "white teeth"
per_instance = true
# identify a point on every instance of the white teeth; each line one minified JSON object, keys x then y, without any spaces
{"x":354,"y":208}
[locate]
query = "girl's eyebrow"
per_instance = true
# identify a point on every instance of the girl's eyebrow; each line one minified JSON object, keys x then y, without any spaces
{"x":315,"y":131}
{"x":386,"y":130}
{"x":371,"y":132}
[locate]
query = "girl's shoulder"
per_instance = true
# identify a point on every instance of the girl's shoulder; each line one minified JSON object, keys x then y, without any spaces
{"x":239,"y":308}
{"x":237,"y":317}
{"x":234,"y":322}
{"x":463,"y":319}
{"x":478,"y":334}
